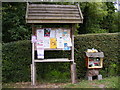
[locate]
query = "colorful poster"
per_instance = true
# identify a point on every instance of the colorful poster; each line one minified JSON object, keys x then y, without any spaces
{"x":52,"y":33}
{"x":60,"y":42}
{"x":40,"y":34}
{"x":53,"y":43}
{"x":66,"y":34}
{"x":40,"y":49}
{"x":46,"y":42}
{"x":47,"y":32}
{"x":66,"y":47}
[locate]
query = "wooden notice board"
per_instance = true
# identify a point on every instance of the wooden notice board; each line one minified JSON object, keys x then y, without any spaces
{"x":54,"y":38}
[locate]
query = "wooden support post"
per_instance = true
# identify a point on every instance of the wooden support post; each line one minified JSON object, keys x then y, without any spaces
{"x":72,"y":38}
{"x":73,"y":65}
{"x":73,"y":73}
{"x":33,"y":58}
{"x":33,"y":66}
{"x":31,"y":74}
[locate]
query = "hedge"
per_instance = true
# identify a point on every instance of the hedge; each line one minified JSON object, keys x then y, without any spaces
{"x":17,"y":59}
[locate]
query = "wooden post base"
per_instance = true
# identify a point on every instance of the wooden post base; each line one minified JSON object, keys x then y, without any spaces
{"x":93,"y":74}
{"x":99,"y":77}
{"x":73,"y":73}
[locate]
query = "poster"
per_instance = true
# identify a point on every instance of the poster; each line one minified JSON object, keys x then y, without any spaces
{"x":46,"y":42}
{"x":40,"y":44}
{"x":53,"y":33}
{"x":53,"y":43}
{"x":34,"y":39}
{"x":47,"y":32}
{"x":59,"y":33}
{"x":40,"y":49}
{"x":69,"y":42}
{"x":66,"y":47}
{"x":40,"y":34}
{"x":66,"y":34}
{"x":60,"y":42}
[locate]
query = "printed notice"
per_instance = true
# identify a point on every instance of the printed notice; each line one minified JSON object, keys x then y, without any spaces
{"x":66,"y":46}
{"x":40,"y":34}
{"x":47,"y":32}
{"x":40,"y":44}
{"x":66,"y":34}
{"x":46,"y":42}
{"x":40,"y":49}
{"x":40,"y":53}
{"x":60,"y":42}
{"x":52,"y":33}
{"x":69,"y":42}
{"x":59,"y":33}
{"x":33,"y":39}
{"x":53,"y":43}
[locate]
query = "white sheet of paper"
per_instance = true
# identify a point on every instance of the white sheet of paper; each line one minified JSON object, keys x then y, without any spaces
{"x":34,"y":39}
{"x":69,"y":42}
{"x":46,"y":42}
{"x":40,"y":53}
{"x":52,"y":33}
{"x":60,"y":43}
{"x":40,"y":44}
{"x":59,"y":33}
{"x":40,"y":34}
{"x":40,"y":49}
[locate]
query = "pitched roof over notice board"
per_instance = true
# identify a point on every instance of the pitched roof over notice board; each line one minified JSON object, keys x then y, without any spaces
{"x":47,"y":13}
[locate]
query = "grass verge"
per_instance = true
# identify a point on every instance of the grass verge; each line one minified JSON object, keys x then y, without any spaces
{"x":109,"y":82}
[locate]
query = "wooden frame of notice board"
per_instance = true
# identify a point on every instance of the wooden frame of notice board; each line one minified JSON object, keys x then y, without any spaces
{"x":57,"y":37}
{"x":34,"y":61}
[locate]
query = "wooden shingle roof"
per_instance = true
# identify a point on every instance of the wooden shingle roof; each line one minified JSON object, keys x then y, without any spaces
{"x":44,"y":13}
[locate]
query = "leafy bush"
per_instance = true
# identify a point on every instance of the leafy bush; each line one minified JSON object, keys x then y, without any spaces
{"x":17,"y":59}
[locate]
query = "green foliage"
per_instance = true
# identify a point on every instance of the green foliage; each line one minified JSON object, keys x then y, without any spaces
{"x":58,"y":76}
{"x":99,"y":17}
{"x":112,"y":21}
{"x":14,"y":25}
{"x":17,"y":59}
{"x":93,"y":13}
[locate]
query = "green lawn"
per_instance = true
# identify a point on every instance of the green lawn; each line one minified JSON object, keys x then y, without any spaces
{"x":110,"y":82}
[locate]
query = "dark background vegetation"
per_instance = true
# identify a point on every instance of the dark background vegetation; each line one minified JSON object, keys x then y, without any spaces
{"x":99,"y":17}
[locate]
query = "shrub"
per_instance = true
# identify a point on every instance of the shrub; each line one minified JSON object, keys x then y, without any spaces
{"x":17,"y":58}
{"x":16,"y":61}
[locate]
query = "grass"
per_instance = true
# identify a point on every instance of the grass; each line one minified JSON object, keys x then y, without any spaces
{"x":109,"y":82}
